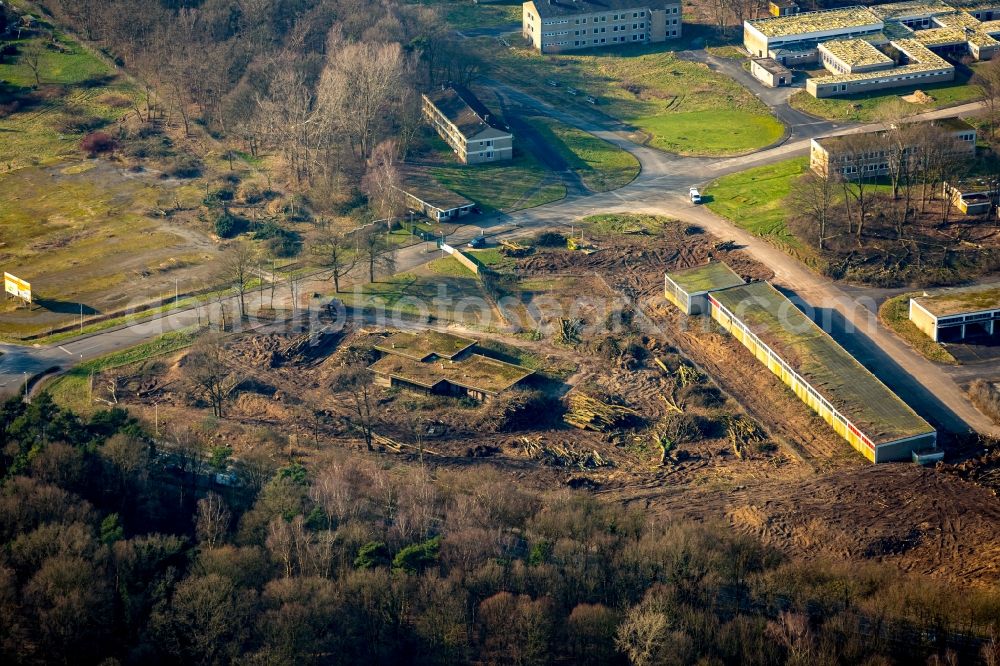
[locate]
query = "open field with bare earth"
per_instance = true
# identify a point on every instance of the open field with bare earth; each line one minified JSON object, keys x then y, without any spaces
{"x":801,"y":489}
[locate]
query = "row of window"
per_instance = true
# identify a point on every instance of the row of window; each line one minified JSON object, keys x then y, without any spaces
{"x":887,"y":79}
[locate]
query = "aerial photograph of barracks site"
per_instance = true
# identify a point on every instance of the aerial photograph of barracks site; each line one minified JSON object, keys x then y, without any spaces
{"x":626,"y":332}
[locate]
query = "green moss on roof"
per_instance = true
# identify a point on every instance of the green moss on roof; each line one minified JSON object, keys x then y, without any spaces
{"x":419,"y":346}
{"x":960,"y":301}
{"x":835,"y":374}
{"x":714,"y":275}
{"x":475,"y":372}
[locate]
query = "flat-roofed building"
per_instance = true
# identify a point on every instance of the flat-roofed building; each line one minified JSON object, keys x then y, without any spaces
{"x":859,"y":407}
{"x":851,"y":56}
{"x":444,"y":364}
{"x":472,"y":131}
{"x":782,"y":7}
{"x":424,"y":195}
{"x":957,"y":314}
{"x":920,"y":67}
{"x":770,"y":72}
{"x":808,"y":29}
{"x":688,"y":288}
{"x":971,"y":197}
{"x":850,"y":157}
{"x":556,"y":26}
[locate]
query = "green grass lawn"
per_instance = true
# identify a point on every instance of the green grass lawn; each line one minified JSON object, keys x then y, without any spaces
{"x":676,"y":105}
{"x":895,"y":313}
{"x":601,"y":166}
{"x":754,"y":199}
{"x":865,"y":108}
{"x":465,"y":14}
{"x":505,"y":186}
{"x":626,"y":223}
{"x":72,"y":389}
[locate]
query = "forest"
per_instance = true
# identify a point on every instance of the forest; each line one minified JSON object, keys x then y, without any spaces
{"x":118,"y":550}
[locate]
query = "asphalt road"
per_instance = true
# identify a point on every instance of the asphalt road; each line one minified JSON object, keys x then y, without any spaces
{"x":661,"y":189}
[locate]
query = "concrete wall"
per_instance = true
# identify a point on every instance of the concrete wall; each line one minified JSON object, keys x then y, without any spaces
{"x":923,"y":320}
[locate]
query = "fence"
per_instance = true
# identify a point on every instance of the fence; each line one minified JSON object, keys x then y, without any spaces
{"x":462,"y":258}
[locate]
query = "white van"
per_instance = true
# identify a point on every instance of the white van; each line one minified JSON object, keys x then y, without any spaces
{"x":695,"y":195}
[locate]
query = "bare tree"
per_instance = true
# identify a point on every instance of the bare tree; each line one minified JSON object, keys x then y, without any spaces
{"x":815,"y":196}
{"x":357,"y":380}
{"x":360,"y":84}
{"x":239,"y":271}
{"x":986,"y":81}
{"x":336,"y":254}
{"x":212,"y":519}
{"x":209,"y":373}
{"x":31,"y":56}
{"x":859,"y":163}
{"x":382,"y":183}
{"x":378,"y":252}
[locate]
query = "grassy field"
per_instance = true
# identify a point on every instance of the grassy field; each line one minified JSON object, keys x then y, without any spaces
{"x":601,"y":166}
{"x":864,"y":108}
{"x":521,"y":183}
{"x":72,"y":389}
{"x":676,"y":105}
{"x":754,"y":199}
{"x":895,"y":313}
{"x":626,"y":223}
{"x":464,"y":14}
{"x":80,"y":229}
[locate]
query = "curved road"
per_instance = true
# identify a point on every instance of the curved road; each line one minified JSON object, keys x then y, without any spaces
{"x":661,"y":189}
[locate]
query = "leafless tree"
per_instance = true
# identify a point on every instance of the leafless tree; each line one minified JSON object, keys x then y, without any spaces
{"x":357,"y":381}
{"x":239,"y":271}
{"x":209,"y":373}
{"x":986,"y":81}
{"x":31,"y":56}
{"x":378,"y":252}
{"x":212,"y":520}
{"x":360,"y":84}
{"x":382,"y":182}
{"x":337,"y":254}
{"x":815,"y":196}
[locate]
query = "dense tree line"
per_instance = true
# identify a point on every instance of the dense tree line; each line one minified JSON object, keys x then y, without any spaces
{"x":322,"y":82}
{"x":108,"y":553}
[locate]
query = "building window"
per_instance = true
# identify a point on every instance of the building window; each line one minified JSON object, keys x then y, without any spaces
{"x":635,"y":14}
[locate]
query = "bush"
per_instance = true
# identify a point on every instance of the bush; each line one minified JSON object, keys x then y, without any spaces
{"x":76,"y":122}
{"x":417,"y":556}
{"x":707,"y":397}
{"x":282,"y":242}
{"x":986,"y":397}
{"x":372,"y":554}
{"x":228,"y":225}
{"x":185,"y":166}
{"x":520,"y":409}
{"x":223,"y":194}
{"x":98,"y":143}
{"x":550,"y":239}
{"x":355,"y":201}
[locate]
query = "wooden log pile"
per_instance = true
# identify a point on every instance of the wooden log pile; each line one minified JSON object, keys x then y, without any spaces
{"x":557,"y":455}
{"x":588,"y":413}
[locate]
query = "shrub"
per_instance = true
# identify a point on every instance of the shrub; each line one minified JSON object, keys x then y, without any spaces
{"x":149,"y":148}
{"x":185,"y":166}
{"x":372,"y":554}
{"x":218,"y":196}
{"x":97,"y":143}
{"x":282,"y":242}
{"x":228,"y":225}
{"x":417,"y":556}
{"x":76,"y":122}
{"x":986,"y":397}
{"x":520,"y":409}
{"x":550,"y":239}
{"x":355,"y":201}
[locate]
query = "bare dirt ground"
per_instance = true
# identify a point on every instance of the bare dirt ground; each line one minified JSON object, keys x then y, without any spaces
{"x":804,"y":491}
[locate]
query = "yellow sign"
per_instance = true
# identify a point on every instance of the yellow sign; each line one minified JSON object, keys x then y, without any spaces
{"x":15,"y":286}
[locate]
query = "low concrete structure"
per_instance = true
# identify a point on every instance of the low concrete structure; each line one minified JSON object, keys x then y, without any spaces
{"x":425,"y":195}
{"x":956,"y":314}
{"x":472,"y":131}
{"x":443,"y":364}
{"x":858,"y":406}
{"x":688,"y":288}
{"x":920,"y":67}
{"x":770,"y":72}
{"x":782,"y":7}
{"x":973,"y":197}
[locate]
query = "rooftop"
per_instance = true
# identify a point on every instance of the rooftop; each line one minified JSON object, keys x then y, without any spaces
{"x":464,"y":110}
{"x":900,"y":11}
{"x":953,"y":124}
{"x":420,"y":346}
{"x":976,"y":5}
{"x":961,"y":301}
{"x":475,"y":372}
{"x":822,"y":21}
{"x":852,"y":390}
{"x":773,"y":66}
{"x":940,"y":36}
{"x":713,"y":275}
{"x":416,"y":182}
{"x":959,"y":20}
{"x":555,"y":8}
{"x":856,"y":52}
